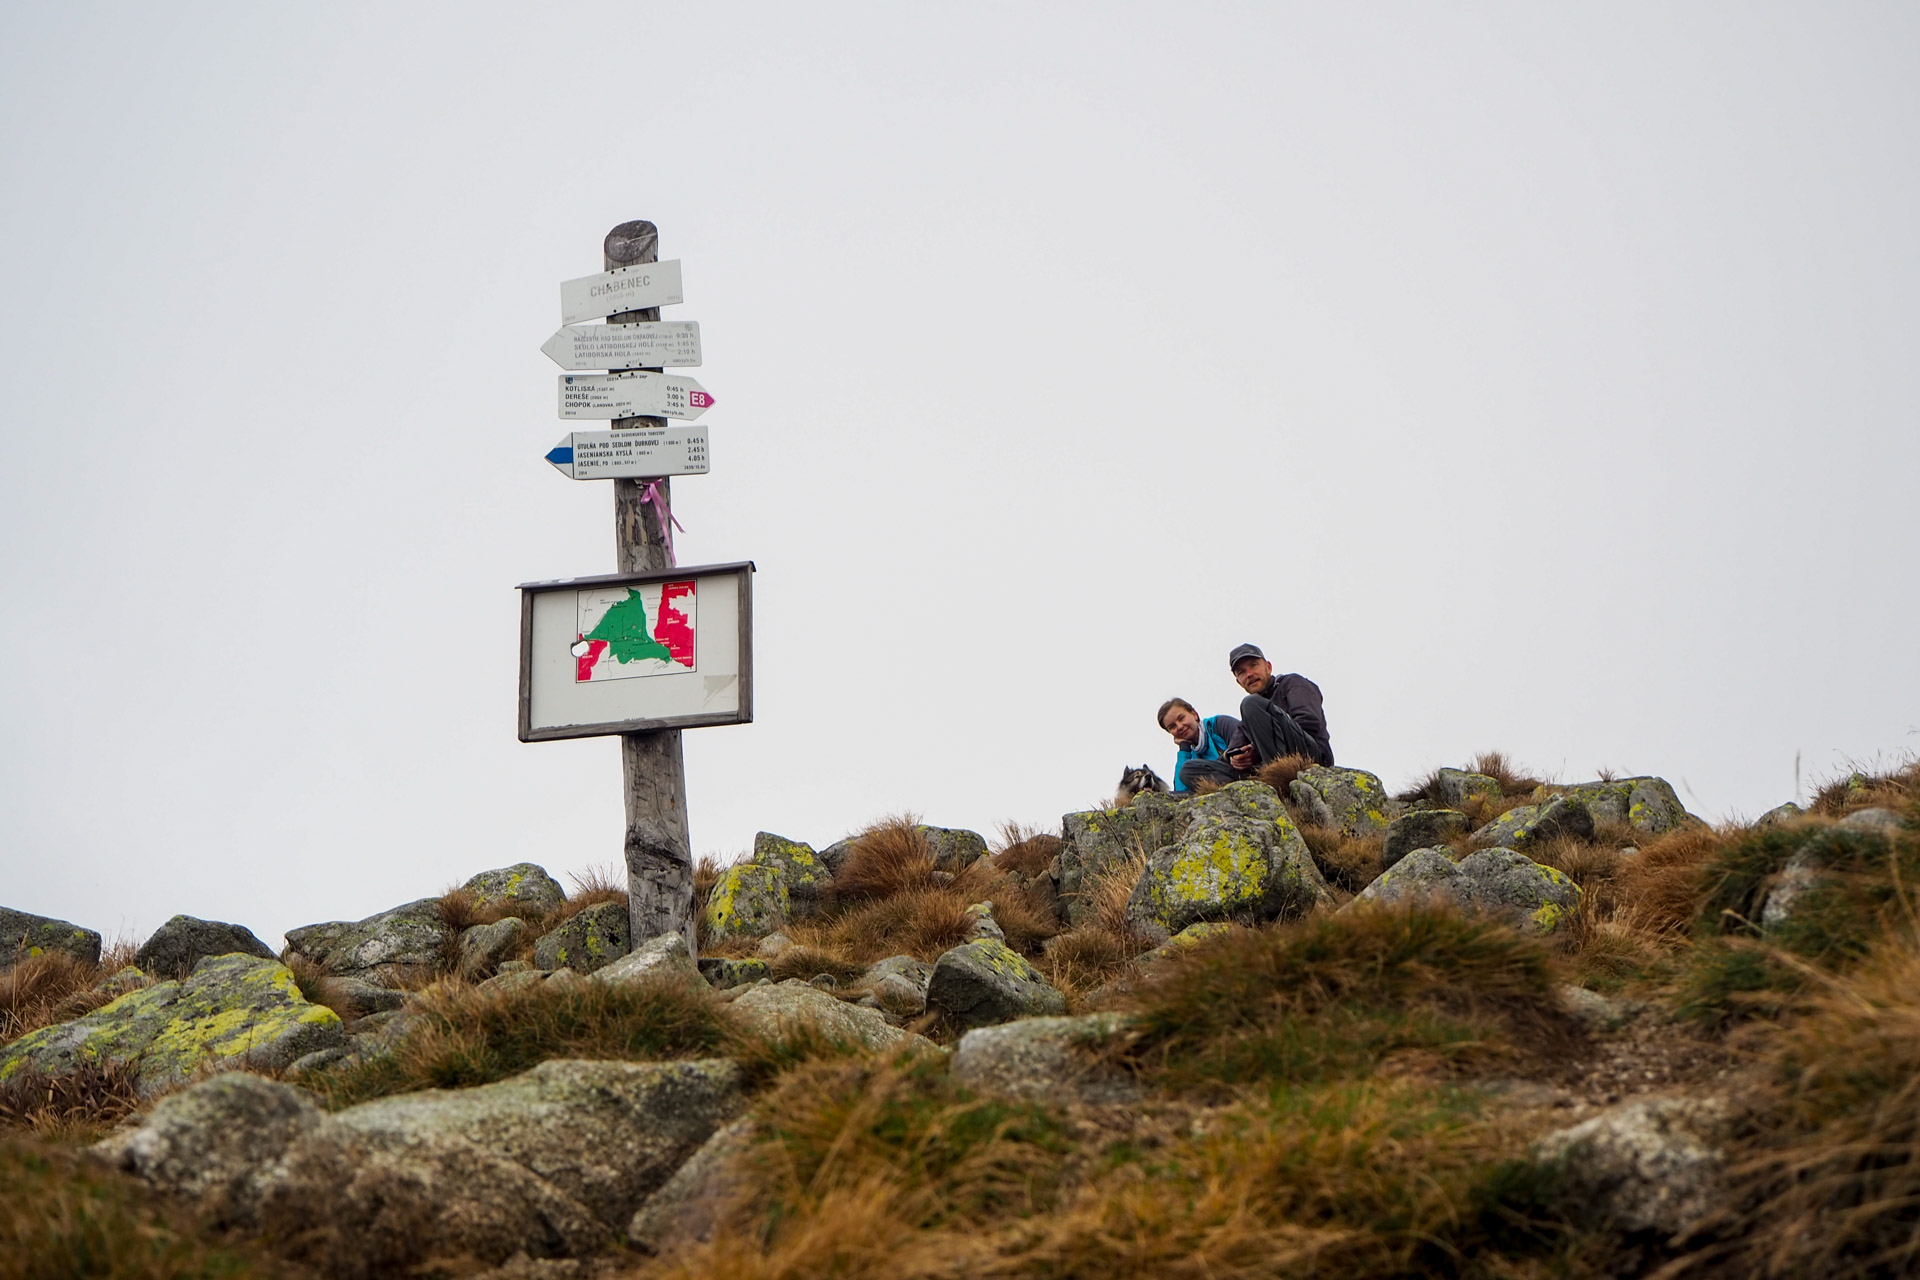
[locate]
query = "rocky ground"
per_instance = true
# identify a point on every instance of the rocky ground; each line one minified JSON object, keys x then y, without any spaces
{"x":1490,"y":1025}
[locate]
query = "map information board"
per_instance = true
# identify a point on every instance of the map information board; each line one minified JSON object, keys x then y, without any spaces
{"x":629,"y":633}
{"x":632,"y":653}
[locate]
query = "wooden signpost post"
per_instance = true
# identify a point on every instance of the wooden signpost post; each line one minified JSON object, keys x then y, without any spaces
{"x":653,"y":648}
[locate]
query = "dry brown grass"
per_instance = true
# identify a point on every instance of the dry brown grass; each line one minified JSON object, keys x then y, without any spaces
{"x":1026,"y":850}
{"x":73,"y":1106}
{"x":1102,"y":948}
{"x":1660,"y":890}
{"x":1889,"y":788}
{"x":888,"y":858}
{"x":1514,"y":779}
{"x":63,"y":1217}
{"x":1279,"y":774}
{"x":1349,"y":863}
{"x":1830,"y":1177}
{"x":867,"y":1171}
{"x":55,"y":987}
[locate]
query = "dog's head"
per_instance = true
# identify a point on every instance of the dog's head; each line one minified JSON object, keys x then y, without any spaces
{"x":1133,"y":780}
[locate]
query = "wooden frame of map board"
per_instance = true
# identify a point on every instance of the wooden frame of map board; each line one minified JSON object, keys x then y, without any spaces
{"x":636,"y":652}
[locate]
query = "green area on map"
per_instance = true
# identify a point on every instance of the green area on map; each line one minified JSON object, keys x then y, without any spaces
{"x":629,"y":638}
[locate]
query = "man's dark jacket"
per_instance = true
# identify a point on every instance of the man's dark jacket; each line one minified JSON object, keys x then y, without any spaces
{"x":1299,"y":697}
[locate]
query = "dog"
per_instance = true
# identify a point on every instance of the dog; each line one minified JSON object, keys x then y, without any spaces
{"x":1133,"y":780}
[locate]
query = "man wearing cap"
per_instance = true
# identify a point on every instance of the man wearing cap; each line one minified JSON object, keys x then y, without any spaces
{"x":1280,"y":716}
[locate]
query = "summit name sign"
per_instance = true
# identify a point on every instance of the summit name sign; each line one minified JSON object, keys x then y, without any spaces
{"x":648,"y":284}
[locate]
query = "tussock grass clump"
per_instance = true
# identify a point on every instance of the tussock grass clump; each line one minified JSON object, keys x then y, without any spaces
{"x":1026,"y":851}
{"x":45,"y":989}
{"x":1348,"y":862}
{"x":888,"y":858}
{"x":1330,"y":996}
{"x":1893,"y":788}
{"x":884,"y":1170}
{"x":1659,"y":890}
{"x":75,"y":1105}
{"x":1103,"y":947}
{"x":462,"y":1035}
{"x":62,"y":1218}
{"x":1279,"y":773}
{"x":1830,"y":1177}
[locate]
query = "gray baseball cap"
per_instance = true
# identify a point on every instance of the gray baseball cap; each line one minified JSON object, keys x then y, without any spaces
{"x":1244,"y":651}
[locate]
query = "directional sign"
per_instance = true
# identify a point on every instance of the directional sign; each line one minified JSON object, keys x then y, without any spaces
{"x":629,"y":395}
{"x":651,"y":344}
{"x":650,"y":284}
{"x":643,"y":451}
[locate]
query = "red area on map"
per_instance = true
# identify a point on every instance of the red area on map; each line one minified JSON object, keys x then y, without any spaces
{"x":583,"y":665}
{"x":673,"y":630}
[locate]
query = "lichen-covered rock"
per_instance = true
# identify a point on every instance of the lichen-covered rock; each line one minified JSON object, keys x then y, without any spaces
{"x":1780,"y":814}
{"x":899,"y":984}
{"x":590,"y":940}
{"x":954,"y":850}
{"x":524,"y":885}
{"x":695,"y":1200}
{"x":1512,"y":886}
{"x":805,"y":873}
{"x":1422,"y":874}
{"x":1532,"y":824}
{"x":1496,"y":882}
{"x":1647,"y":804}
{"x":1184,"y":941}
{"x":835,"y":855}
{"x":1353,"y":800}
{"x":746,"y":900}
{"x":1457,"y":787}
{"x":1239,"y":858}
{"x":722,"y":973}
{"x":1421,"y":829}
{"x":551,"y":1162}
{"x":1648,"y":1166}
{"x":1048,"y":1061}
{"x":214,"y":1142}
{"x":484,"y":946}
{"x":23,"y":935}
{"x":233,"y":1011}
{"x":367,"y":997}
{"x":411,"y":934}
{"x":661,"y":959}
{"x":1100,"y":839}
{"x":1885,"y":821}
{"x":986,"y":981}
{"x":981,"y":924}
{"x":782,"y":1009}
{"x":184,"y":942}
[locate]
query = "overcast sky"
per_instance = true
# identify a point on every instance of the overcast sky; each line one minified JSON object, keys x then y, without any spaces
{"x":1538,"y":378}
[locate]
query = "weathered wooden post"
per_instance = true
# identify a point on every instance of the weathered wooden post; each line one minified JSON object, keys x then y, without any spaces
{"x":659,"y":854}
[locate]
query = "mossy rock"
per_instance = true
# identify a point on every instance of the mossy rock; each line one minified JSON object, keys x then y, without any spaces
{"x":1531,"y":824}
{"x":23,"y":934}
{"x":985,"y":981}
{"x":1458,"y":787}
{"x":412,"y":934}
{"x":1647,"y":804}
{"x":232,"y":1011}
{"x":591,"y":940}
{"x":1421,"y":829}
{"x":1353,"y":801}
{"x":748,"y":900}
{"x":954,"y":849}
{"x":806,"y":873}
{"x":184,"y":941}
{"x":1240,"y":859}
{"x":523,"y":885}
{"x":1499,"y":882}
{"x":1099,"y":839}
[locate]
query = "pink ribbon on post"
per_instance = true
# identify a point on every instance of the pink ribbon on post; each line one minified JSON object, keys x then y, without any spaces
{"x":668,"y":523}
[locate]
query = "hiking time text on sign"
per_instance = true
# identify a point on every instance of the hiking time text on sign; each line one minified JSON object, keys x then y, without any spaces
{"x":648,"y":344}
{"x":634,"y":452}
{"x":636,"y":652}
{"x":631,"y":395}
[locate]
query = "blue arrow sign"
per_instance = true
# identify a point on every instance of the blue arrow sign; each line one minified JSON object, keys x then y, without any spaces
{"x":638,"y":452}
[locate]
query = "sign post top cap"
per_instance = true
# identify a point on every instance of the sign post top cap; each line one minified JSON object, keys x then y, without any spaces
{"x":632,"y":242}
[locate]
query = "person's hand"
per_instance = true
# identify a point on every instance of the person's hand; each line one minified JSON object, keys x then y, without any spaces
{"x":1244,"y":758}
